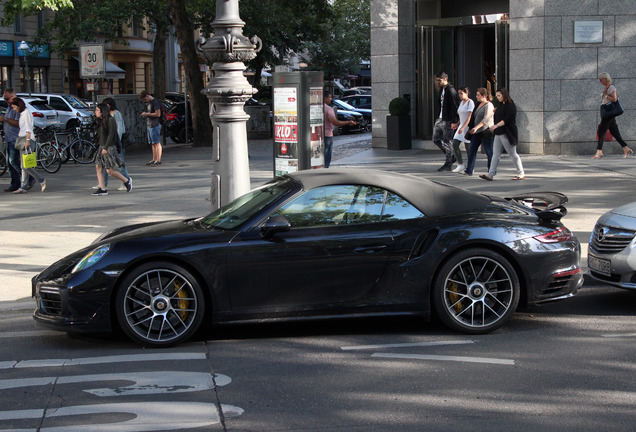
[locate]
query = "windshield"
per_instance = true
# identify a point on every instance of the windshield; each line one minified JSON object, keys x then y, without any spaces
{"x":75,"y":102}
{"x":345,"y":105}
{"x":232,"y":215}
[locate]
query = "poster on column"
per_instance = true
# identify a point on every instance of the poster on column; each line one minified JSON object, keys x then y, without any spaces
{"x":286,"y":130}
{"x":316,"y":122}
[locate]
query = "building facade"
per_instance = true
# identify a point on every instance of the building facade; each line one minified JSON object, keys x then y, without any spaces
{"x":549,"y":54}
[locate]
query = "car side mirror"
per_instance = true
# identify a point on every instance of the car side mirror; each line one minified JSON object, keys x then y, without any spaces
{"x":274,"y":225}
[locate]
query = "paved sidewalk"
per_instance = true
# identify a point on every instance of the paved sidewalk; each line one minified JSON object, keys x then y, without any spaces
{"x":37,"y":229}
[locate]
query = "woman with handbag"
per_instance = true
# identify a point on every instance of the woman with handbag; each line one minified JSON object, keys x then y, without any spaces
{"x":465,"y":112}
{"x":23,"y":144}
{"x":121,"y":129}
{"x":608,"y":120}
{"x":480,"y":134}
{"x":108,"y":156}
{"x":506,"y":135}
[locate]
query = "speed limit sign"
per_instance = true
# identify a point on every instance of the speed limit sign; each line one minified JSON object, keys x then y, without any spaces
{"x":92,"y":61}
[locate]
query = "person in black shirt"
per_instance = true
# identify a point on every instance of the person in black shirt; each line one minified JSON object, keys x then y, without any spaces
{"x":447,"y":121}
{"x":506,"y":135}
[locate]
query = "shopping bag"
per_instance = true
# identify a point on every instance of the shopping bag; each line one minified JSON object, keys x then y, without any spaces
{"x":28,"y":159}
{"x":607,"y":137}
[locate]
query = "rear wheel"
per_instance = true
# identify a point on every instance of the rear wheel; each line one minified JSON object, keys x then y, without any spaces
{"x":3,"y":164}
{"x":48,"y":158}
{"x":182,"y":135}
{"x":160,"y":304}
{"x":82,"y":151}
{"x":476,"y":291}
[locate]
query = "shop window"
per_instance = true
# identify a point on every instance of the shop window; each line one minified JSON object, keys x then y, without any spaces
{"x":39,"y":79}
{"x":5,"y":77}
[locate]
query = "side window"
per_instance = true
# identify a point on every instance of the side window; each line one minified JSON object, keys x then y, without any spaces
{"x":335,"y":205}
{"x":397,"y":208}
{"x":58,"y":104}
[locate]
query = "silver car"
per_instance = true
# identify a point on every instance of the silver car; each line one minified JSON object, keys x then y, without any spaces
{"x":611,"y":257}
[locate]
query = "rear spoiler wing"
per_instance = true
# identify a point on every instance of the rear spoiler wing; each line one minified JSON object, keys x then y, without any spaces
{"x":549,"y":206}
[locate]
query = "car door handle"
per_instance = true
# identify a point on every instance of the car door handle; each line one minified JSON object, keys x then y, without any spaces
{"x":370,"y":249}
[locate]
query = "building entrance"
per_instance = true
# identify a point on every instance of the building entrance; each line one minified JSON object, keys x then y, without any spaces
{"x":473,"y":55}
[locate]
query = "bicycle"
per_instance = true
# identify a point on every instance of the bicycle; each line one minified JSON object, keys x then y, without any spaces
{"x":3,"y":159}
{"x":80,"y":149}
{"x":46,"y":154}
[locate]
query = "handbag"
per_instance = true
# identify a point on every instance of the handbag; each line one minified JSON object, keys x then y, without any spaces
{"x":28,"y":159}
{"x":608,"y":135}
{"x":20,"y":143}
{"x":611,"y":109}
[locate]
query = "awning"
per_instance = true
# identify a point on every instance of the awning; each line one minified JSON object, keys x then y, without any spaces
{"x":112,"y":70}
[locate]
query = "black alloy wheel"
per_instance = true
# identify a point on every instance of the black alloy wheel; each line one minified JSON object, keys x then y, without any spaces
{"x":476,"y":291}
{"x":159,"y":304}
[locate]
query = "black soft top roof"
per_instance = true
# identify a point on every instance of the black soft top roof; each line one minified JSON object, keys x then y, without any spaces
{"x":431,"y":198}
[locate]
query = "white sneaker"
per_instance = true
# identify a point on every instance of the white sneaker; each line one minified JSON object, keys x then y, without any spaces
{"x":122,"y":187}
{"x":459,"y":168}
{"x":96,"y":187}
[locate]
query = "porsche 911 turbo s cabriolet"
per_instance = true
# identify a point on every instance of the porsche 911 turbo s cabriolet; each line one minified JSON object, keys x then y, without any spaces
{"x":318,"y":244}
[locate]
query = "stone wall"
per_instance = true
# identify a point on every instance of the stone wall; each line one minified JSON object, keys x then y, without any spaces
{"x":554,"y":81}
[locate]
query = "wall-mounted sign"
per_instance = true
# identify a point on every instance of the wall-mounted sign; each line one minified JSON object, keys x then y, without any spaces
{"x":6,"y":48}
{"x":588,"y":31}
{"x":35,"y":51}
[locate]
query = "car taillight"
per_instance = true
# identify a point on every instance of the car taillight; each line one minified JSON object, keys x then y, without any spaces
{"x":560,"y":235}
{"x":171,"y":116}
{"x":38,"y":114}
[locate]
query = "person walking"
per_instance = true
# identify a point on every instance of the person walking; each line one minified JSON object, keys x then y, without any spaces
{"x":480,"y":133}
{"x":11,"y":121}
{"x":107,"y":154}
{"x":465,"y":112}
{"x":330,"y":121}
{"x":609,"y":95}
{"x":152,"y":116}
{"x":506,"y":135}
{"x":443,"y":129}
{"x":121,"y":129}
{"x":23,"y":144}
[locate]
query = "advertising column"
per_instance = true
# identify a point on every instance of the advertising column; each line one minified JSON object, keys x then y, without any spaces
{"x":298,"y":121}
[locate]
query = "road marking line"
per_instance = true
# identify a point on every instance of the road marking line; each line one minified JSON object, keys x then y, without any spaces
{"x":445,"y":358}
{"x":406,"y":345}
{"x":32,"y":333}
{"x":101,"y":360}
{"x":619,"y":335}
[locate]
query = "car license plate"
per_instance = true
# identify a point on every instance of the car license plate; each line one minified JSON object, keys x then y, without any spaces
{"x":599,"y":264}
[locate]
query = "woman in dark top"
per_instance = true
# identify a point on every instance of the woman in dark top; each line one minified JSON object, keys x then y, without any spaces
{"x":107,"y":155}
{"x":505,"y":129}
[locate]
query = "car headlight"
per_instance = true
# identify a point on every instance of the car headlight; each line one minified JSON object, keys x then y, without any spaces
{"x":91,"y":258}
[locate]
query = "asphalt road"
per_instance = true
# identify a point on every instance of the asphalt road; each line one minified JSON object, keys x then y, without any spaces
{"x":565,"y":366}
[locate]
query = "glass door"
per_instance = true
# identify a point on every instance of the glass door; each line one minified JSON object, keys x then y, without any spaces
{"x":436,"y":53}
{"x":502,"y":56}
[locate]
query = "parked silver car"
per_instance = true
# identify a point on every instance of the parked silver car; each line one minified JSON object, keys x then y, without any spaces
{"x":611,"y":255}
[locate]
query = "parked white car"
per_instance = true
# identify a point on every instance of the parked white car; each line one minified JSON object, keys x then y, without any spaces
{"x":71,"y":110}
{"x":43,"y":114}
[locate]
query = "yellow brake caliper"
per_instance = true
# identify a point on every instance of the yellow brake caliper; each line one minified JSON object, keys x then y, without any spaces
{"x":452,"y":286}
{"x":183,"y":303}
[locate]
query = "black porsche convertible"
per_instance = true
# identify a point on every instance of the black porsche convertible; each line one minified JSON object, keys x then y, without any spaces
{"x":319,"y":244}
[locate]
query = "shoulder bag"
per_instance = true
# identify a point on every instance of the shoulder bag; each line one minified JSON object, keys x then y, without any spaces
{"x":20,"y":143}
{"x":612,"y":109}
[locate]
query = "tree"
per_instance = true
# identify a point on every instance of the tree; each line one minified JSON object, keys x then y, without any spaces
{"x":346,"y":39}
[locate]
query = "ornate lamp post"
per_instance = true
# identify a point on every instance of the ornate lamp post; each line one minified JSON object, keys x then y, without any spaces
{"x":228,"y":49}
{"x":24,"y":47}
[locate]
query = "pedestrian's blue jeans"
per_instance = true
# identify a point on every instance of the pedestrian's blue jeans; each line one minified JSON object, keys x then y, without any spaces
{"x":328,"y":146}
{"x":13,"y":161}
{"x":475,"y":141}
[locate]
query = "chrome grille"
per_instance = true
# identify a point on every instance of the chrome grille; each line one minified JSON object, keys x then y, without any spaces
{"x":606,"y":240}
{"x":51,"y":300}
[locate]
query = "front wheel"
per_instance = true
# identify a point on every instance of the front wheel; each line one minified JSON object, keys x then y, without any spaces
{"x":160,"y":304}
{"x":476,"y":291}
{"x":82,"y":151}
{"x":48,"y":158}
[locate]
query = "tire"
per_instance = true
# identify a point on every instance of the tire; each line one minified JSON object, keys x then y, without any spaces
{"x":83,"y":151}
{"x":156,"y":318}
{"x":48,"y":158}
{"x":3,"y":164}
{"x":182,"y":135}
{"x":476,"y":291}
{"x":71,"y":125}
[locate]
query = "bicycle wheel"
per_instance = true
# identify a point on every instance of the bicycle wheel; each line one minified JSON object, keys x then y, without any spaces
{"x":3,"y":164}
{"x":83,"y":151}
{"x":48,"y":158}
